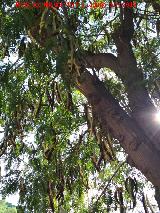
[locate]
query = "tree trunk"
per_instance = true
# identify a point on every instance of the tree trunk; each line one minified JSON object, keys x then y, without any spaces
{"x":112,"y":117}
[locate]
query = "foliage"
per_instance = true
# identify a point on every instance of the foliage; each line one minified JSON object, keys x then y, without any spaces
{"x":6,"y":207}
{"x":68,"y":155}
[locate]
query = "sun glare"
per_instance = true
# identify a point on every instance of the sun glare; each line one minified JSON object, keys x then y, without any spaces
{"x":157,"y":117}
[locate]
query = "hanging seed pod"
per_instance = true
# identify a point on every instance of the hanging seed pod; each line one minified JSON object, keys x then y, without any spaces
{"x":57,"y":92}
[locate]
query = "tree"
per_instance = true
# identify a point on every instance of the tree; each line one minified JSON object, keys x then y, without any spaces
{"x":86,"y":84}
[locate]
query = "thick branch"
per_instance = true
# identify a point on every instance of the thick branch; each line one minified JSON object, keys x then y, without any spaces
{"x":101,"y":60}
{"x":125,"y":67}
{"x":112,"y":117}
{"x":143,"y":110}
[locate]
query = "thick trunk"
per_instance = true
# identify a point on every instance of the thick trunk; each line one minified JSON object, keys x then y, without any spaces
{"x":143,"y":110}
{"x":125,"y":67}
{"x":132,"y":138}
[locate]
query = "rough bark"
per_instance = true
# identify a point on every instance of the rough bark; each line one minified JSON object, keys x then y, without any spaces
{"x":143,"y":110}
{"x":125,"y":67}
{"x":131,"y":137}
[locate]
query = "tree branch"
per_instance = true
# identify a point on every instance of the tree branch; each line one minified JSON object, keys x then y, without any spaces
{"x":109,"y":181}
{"x":131,"y":137}
{"x":101,"y":60}
{"x":125,"y":67}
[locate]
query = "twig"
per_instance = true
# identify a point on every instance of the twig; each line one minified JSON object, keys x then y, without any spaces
{"x":105,"y":188}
